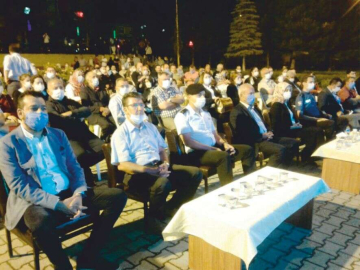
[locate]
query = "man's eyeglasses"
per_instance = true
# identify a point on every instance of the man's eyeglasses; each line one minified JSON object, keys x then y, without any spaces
{"x":136,"y":105}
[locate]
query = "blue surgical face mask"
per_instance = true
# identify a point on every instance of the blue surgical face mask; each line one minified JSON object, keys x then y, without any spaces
{"x":36,"y":121}
{"x":250,"y":100}
{"x":351,"y":85}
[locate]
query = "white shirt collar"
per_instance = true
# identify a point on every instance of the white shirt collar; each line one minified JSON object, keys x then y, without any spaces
{"x":131,"y":127}
{"x":29,"y":135}
{"x":247,"y":106}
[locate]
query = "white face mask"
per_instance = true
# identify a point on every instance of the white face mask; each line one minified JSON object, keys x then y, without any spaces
{"x":148,"y":84}
{"x":58,"y":94}
{"x":268,"y":76}
{"x":238,"y":81}
{"x":336,"y":89}
{"x":310,"y":86}
{"x":80,"y":79}
{"x":50,"y":75}
{"x":207,"y":81}
{"x":124,"y":90}
{"x":95,"y":82}
{"x":145,"y":73}
{"x":137,"y":119}
{"x":238,"y":70}
{"x":27,"y":85}
{"x":166,"y":84}
{"x":284,"y":74}
{"x":1,"y":89}
{"x":291,"y":79}
{"x":256,"y":73}
{"x":200,"y":102}
{"x":280,"y":79}
{"x":287,"y":95}
{"x":39,"y":87}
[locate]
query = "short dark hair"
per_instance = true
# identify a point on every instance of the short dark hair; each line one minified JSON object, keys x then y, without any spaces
{"x":192,"y":66}
{"x":130,"y":95}
{"x":348,"y":71}
{"x":335,"y":80}
{"x":20,"y":100}
{"x":306,"y":77}
{"x":24,"y":76}
{"x":33,"y":78}
{"x":162,"y":73}
{"x":14,"y":47}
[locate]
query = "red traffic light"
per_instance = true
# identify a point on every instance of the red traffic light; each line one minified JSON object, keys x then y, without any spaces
{"x":79,"y":14}
{"x":191,"y":44}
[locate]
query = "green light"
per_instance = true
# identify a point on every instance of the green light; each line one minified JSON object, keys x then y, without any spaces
{"x":114,"y":32}
{"x":27,"y":10}
{"x":78,"y":31}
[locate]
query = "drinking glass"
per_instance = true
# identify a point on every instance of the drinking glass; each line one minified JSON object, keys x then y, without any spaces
{"x":283,"y":177}
{"x":222,"y":200}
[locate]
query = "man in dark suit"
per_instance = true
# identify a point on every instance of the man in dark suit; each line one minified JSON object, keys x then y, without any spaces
{"x":68,"y":115}
{"x":47,"y":186}
{"x":97,"y":100}
{"x":249,"y":128}
{"x":330,"y":103}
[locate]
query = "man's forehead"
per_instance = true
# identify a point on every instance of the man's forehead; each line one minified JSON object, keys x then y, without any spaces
{"x":133,"y":100}
{"x":33,"y":101}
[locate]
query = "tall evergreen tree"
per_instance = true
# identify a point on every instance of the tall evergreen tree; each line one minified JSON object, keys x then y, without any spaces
{"x":245,"y":37}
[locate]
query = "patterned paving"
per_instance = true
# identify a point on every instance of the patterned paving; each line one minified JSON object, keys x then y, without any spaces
{"x":333,"y":243}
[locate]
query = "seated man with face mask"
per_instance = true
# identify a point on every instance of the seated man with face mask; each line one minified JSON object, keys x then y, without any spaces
{"x":203,"y":144}
{"x":47,"y":186}
{"x":308,"y":111}
{"x":166,"y":101}
{"x":139,"y":150}
{"x":97,"y":100}
{"x":330,"y":103}
{"x":249,"y":128}
{"x":68,"y":115}
{"x":267,"y":84}
{"x":115,"y":104}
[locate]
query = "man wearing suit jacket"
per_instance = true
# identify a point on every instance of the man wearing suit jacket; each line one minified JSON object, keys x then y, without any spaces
{"x":249,"y":128}
{"x":330,"y":103}
{"x":47,"y":186}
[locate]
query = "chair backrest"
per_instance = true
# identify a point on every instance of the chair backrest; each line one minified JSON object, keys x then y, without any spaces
{"x":115,"y":176}
{"x":228,"y":132}
{"x":176,"y":146}
{"x":264,"y":97}
{"x":267,"y":119}
{"x":3,"y":196}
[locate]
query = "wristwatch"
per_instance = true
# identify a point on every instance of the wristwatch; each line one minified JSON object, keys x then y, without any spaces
{"x":166,"y":163}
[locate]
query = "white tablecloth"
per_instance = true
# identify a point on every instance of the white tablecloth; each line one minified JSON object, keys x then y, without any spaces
{"x":240,"y":231}
{"x":350,"y":154}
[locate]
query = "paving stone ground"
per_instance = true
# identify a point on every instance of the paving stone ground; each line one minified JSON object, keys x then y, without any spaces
{"x":333,"y":243}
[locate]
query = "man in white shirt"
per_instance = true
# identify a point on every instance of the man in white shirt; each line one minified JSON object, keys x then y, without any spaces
{"x":14,"y":66}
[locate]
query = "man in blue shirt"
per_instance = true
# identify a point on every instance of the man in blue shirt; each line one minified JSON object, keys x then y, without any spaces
{"x":308,"y":111}
{"x":139,"y":150}
{"x":47,"y":186}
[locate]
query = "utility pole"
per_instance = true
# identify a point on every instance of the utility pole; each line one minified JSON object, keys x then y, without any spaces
{"x":177,"y":35}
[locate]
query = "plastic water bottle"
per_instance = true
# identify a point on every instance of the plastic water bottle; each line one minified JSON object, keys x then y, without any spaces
{"x":347,"y":131}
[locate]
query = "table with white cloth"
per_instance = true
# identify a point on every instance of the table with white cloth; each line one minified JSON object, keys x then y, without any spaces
{"x":341,"y":168}
{"x":220,"y":237}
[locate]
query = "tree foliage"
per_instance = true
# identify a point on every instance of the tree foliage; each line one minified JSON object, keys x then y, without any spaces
{"x":245,"y":37}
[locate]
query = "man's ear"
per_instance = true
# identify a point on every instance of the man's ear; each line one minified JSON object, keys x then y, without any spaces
{"x":20,"y":113}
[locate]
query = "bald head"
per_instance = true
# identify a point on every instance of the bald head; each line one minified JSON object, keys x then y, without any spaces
{"x":246,"y":92}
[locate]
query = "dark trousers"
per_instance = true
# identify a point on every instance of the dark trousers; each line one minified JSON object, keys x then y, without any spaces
{"x":341,"y":123}
{"x":223,"y":161}
{"x":312,"y":137}
{"x":184,"y":179}
{"x":280,"y":151}
{"x":107,"y":125}
{"x":42,"y":222}
{"x":329,"y":127}
{"x":88,"y":153}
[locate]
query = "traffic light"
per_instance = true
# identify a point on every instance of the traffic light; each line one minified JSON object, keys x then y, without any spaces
{"x":191,"y":44}
{"x":78,"y":31}
{"x":79,"y":14}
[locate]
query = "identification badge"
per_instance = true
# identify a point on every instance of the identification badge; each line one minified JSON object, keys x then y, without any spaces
{"x":308,"y":101}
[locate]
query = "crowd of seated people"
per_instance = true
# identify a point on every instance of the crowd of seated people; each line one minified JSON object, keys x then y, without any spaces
{"x":47,"y":147}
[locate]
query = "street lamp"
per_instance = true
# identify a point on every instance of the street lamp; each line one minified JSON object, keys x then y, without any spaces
{"x":191,"y":45}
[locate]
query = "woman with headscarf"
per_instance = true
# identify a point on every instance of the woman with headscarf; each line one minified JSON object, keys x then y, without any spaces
{"x":76,"y":82}
{"x":285,"y":123}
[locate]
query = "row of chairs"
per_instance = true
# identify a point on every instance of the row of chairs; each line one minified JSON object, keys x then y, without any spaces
{"x":115,"y":180}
